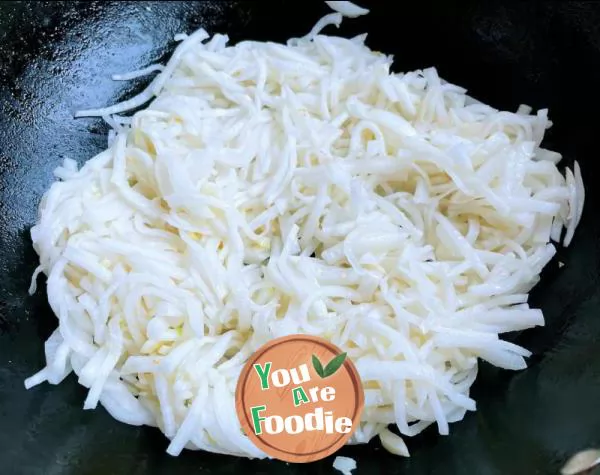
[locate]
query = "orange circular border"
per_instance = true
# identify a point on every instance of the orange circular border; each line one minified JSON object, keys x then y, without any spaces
{"x":359,"y":401}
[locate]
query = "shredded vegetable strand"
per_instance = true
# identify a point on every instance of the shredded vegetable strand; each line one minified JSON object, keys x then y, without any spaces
{"x":273,"y":189}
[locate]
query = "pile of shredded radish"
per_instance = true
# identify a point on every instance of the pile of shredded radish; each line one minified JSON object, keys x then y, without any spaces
{"x":273,"y":189}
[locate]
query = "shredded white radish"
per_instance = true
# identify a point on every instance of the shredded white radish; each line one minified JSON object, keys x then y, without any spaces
{"x":138,"y":73}
{"x":349,"y":9}
{"x":275,"y":189}
{"x":344,"y":465}
{"x":393,"y":443}
{"x":580,"y":192}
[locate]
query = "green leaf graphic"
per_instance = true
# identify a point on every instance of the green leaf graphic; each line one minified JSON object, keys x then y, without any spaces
{"x":318,"y":366}
{"x":334,"y":365}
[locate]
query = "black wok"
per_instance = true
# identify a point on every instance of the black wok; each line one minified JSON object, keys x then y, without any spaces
{"x":57,"y":57}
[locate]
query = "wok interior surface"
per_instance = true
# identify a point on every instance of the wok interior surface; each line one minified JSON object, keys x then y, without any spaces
{"x":57,"y":57}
